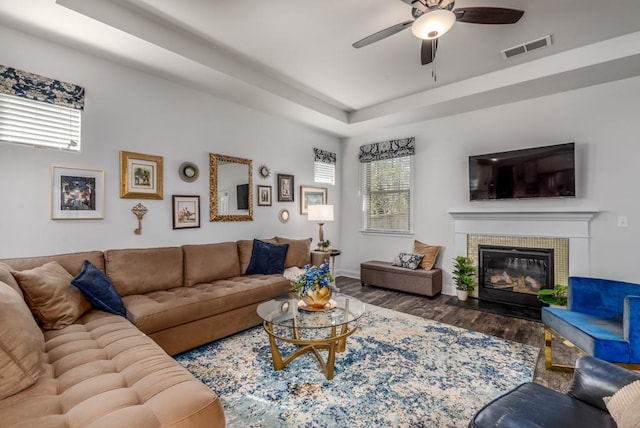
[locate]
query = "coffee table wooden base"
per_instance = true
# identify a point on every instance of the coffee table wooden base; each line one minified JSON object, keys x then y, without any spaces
{"x":334,"y":343}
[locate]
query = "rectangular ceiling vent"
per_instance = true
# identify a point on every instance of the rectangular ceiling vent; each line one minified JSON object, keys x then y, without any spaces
{"x":542,"y":42}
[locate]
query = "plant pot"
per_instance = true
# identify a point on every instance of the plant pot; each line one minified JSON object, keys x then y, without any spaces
{"x":462,"y":295}
{"x":317,"y":298}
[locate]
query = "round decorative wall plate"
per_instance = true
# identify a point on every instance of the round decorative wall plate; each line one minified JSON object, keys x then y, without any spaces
{"x":264,"y":171}
{"x":188,"y":171}
{"x":284,"y":215}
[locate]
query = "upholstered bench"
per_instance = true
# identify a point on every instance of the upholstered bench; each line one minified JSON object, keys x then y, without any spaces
{"x":384,"y":274}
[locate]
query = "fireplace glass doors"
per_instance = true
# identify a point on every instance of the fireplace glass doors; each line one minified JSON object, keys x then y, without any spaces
{"x":514,"y":275}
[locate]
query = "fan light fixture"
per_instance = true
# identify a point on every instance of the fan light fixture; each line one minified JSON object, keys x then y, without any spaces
{"x":433,"y":24}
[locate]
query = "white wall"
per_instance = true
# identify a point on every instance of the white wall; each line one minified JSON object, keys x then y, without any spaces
{"x":604,"y":121}
{"x":134,"y":111}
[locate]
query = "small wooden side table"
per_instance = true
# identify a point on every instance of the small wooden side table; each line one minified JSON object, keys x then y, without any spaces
{"x":318,"y":257}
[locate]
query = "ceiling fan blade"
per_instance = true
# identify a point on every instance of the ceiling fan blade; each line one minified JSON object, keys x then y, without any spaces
{"x":488,"y":15}
{"x":428,"y":51}
{"x":382,"y":34}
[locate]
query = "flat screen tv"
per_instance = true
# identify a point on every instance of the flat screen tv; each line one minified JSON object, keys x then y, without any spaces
{"x":539,"y":172}
{"x":242,"y":194}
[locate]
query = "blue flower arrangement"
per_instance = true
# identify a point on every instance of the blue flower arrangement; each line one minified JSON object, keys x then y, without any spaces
{"x":314,"y":278}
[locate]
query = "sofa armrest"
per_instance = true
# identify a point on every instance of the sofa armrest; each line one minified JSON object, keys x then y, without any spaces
{"x":594,"y":378}
{"x":631,"y":325}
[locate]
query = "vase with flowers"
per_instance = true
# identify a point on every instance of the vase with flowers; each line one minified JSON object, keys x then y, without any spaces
{"x":315,"y":286}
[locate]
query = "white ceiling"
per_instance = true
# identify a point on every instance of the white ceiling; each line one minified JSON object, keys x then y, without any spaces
{"x":295,"y":59}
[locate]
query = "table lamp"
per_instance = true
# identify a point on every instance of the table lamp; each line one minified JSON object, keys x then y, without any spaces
{"x":321,"y":214}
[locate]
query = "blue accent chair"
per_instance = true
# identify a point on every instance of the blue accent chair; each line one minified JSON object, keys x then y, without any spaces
{"x":602,"y":319}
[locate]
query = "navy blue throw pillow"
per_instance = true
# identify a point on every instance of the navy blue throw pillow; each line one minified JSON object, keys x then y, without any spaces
{"x":98,"y":290}
{"x":266,"y":258}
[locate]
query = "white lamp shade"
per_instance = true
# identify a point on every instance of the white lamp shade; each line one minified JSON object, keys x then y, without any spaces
{"x":433,"y":24}
{"x":320,"y":213}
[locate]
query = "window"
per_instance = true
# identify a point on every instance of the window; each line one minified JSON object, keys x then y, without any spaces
{"x":387,"y":186}
{"x":324,"y":167}
{"x":324,"y":173}
{"x":39,"y":111}
{"x":33,"y":123}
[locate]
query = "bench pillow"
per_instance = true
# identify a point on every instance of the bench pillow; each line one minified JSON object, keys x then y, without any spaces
{"x":408,"y":260}
{"x":430,"y":253}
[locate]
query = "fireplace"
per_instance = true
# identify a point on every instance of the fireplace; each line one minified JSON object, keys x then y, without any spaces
{"x":514,"y":275}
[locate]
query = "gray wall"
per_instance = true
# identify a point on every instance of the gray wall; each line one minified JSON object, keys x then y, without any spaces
{"x":603,"y":120}
{"x":135,"y":111}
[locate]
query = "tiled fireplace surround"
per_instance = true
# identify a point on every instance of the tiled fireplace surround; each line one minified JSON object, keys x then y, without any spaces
{"x":567,"y":225}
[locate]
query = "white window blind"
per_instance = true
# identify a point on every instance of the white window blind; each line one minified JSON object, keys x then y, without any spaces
{"x":386,"y":187}
{"x":33,"y":123}
{"x":324,"y":172}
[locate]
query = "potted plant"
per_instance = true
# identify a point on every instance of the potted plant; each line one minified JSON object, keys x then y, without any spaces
{"x":554,"y":297}
{"x":315,"y":286}
{"x":463,"y":273}
{"x":324,"y":245}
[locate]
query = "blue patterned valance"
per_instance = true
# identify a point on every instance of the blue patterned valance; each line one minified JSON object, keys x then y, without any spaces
{"x":40,"y":88}
{"x":387,"y":150}
{"x":324,"y":156}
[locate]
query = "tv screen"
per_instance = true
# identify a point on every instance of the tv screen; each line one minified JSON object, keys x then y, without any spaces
{"x":540,"y":172}
{"x":242,"y":193}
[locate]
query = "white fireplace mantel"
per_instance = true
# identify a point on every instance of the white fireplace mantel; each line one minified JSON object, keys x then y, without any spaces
{"x":573,"y":225}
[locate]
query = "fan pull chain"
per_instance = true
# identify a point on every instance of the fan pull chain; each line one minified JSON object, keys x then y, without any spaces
{"x":433,"y":60}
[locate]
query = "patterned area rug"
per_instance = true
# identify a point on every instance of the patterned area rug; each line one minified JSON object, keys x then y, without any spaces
{"x":398,"y":370}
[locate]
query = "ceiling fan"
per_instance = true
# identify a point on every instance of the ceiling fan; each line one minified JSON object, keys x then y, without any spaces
{"x":433,"y":18}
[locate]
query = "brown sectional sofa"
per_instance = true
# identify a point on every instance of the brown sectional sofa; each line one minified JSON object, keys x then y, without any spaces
{"x":105,"y":370}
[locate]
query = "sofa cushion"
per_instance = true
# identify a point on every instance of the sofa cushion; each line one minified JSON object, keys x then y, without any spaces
{"x":298,"y":253}
{"x":209,"y":262}
{"x":72,"y":262}
{"x":50,"y":295}
{"x":245,"y":248}
{"x":532,"y":405}
{"x":7,"y":278}
{"x":138,"y":271}
{"x":159,"y":310}
{"x":21,"y":344}
{"x":408,"y":260}
{"x":266,"y":258}
{"x":430,"y":253}
{"x":98,"y":290}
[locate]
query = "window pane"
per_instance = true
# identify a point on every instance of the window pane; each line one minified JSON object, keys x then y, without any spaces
{"x":324,"y":173}
{"x":34,"y":123}
{"x":386,"y":192}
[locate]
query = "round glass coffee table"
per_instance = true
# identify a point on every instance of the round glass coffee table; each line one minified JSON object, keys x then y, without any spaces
{"x":286,"y":319}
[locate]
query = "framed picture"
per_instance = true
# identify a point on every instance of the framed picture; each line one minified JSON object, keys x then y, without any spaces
{"x":264,"y":196}
{"x":285,"y":188}
{"x":311,"y":196}
{"x":140,"y":176}
{"x":76,"y":193}
{"x":186,"y":211}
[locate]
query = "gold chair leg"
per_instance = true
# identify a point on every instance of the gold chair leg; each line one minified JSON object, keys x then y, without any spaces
{"x":548,"y":358}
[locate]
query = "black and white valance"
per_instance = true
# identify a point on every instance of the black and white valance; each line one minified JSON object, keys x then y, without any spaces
{"x":324,"y":156}
{"x":387,"y":150}
{"x":39,"y":88}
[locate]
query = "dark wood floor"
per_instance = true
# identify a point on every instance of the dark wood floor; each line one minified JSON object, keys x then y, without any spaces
{"x":515,"y":329}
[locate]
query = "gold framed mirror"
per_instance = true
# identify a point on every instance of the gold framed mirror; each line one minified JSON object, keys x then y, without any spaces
{"x":230,"y":188}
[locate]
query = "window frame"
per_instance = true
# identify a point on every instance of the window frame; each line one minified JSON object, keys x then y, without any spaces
{"x":365,"y":204}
